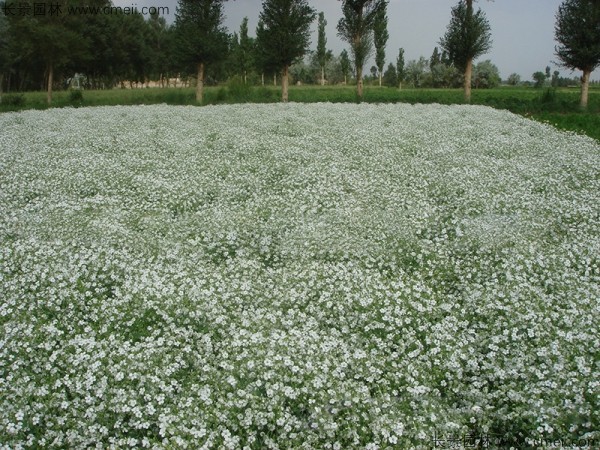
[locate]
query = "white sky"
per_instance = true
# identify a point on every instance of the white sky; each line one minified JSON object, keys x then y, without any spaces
{"x":522,"y":30}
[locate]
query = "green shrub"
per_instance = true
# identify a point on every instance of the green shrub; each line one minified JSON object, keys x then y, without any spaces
{"x":13,"y":99}
{"x":238,"y":91}
{"x":76,"y":97}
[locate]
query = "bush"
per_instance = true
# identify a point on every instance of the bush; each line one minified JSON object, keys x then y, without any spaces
{"x":13,"y":100}
{"x":238,"y":91}
{"x":76,"y":97}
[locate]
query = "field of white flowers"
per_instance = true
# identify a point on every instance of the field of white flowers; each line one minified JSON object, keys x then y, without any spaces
{"x":296,"y":276}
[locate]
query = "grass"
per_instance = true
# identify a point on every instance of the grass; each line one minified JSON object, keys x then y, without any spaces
{"x":559,"y":107}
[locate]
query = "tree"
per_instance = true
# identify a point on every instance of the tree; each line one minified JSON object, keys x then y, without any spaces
{"x":390,"y":77}
{"x":380,"y":38}
{"x":400,"y":67}
{"x":467,"y":37}
{"x":514,"y":79}
{"x":415,"y":70}
{"x":245,"y":50}
{"x":201,"y":38}
{"x":322,"y":55}
{"x":486,"y":75}
{"x":345,"y":65}
{"x":435,"y":59}
{"x":54,"y":40}
{"x":4,"y":51}
{"x":373,"y":72}
{"x":555,"y":78}
{"x":539,"y":77}
{"x":159,"y":42}
{"x":356,"y":28}
{"x":577,"y":31}
{"x":285,"y":35}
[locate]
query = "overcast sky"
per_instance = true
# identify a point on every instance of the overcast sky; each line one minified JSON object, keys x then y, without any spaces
{"x":522,"y":30}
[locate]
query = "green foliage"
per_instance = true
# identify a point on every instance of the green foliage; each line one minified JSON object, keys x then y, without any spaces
{"x":380,"y":36}
{"x":5,"y":38}
{"x":539,"y":78}
{"x":485,"y":75}
{"x":577,"y":31}
{"x":76,"y":97}
{"x":238,"y":89}
{"x":549,"y":96}
{"x":322,"y":42}
{"x":285,"y":32}
{"x":514,"y":79}
{"x":345,"y":64}
{"x":435,"y":59}
{"x":390,"y":77}
{"x":13,"y":100}
{"x":356,"y":28}
{"x":444,"y":75}
{"x":415,"y":71}
{"x":246,"y":49}
{"x":468,"y":35}
{"x":400,"y":70}
{"x":199,"y":33}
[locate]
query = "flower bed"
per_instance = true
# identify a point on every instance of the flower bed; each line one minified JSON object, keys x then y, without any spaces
{"x":296,"y":276}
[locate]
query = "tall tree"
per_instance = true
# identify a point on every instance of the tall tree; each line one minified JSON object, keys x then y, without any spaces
{"x":201,"y":38}
{"x":577,"y":31}
{"x":245,"y":50}
{"x":356,"y":28}
{"x":435,"y":59}
{"x":345,"y":65}
{"x":390,"y":77}
{"x":285,"y":34}
{"x":322,"y":46}
{"x":261,"y":58}
{"x":4,"y":51}
{"x":467,"y":37}
{"x":380,"y":38}
{"x":54,"y":39}
{"x":400,"y":70}
{"x":159,"y":41}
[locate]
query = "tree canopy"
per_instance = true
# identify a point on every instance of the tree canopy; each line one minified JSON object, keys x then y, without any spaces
{"x":577,"y":31}
{"x":468,"y":36}
{"x":285,"y":33}
{"x":200,"y":35}
{"x":356,"y":28}
{"x":380,"y":38}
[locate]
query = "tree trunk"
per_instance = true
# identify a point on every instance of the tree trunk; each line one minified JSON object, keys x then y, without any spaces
{"x":359,"y":82}
{"x":322,"y":76}
{"x":245,"y":77}
{"x":468,"y":72}
{"x":380,"y":78}
{"x":49,"y":91}
{"x":200,"y":84}
{"x":585,"y":85}
{"x":275,"y":79}
{"x":400,"y":85}
{"x":1,"y":82}
{"x":262,"y":77}
{"x":345,"y":80}
{"x":284,"y":84}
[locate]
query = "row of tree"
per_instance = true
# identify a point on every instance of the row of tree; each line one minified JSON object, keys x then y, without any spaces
{"x":38,"y":49}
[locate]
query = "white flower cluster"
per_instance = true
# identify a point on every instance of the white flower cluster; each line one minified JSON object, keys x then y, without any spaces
{"x":295,"y":276}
